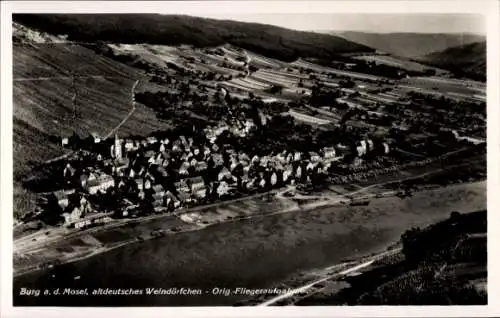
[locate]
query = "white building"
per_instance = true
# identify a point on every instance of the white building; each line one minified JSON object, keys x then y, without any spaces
{"x":101,"y":183}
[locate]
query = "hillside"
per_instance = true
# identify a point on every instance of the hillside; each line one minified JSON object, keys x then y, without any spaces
{"x":43,"y":109}
{"x":409,"y":45}
{"x":271,"y":41}
{"x":442,"y":264}
{"x":465,"y":60}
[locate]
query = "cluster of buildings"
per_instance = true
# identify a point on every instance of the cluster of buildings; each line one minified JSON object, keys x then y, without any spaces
{"x":160,"y":174}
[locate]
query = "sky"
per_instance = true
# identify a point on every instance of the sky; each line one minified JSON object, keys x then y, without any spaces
{"x":378,"y":23}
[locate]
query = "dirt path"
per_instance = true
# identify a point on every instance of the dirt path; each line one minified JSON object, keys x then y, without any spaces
{"x":113,"y":130}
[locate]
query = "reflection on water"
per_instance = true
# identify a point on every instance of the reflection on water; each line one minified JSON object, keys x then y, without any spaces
{"x":251,"y":254}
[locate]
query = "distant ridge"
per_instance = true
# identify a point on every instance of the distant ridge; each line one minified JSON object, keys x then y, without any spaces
{"x":410,"y":45}
{"x":464,"y":60}
{"x":271,"y":41}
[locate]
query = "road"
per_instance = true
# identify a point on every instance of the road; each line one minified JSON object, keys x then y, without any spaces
{"x":308,"y":286}
{"x":26,"y":243}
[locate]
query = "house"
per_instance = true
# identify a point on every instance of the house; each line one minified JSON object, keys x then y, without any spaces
{"x":184,"y":141}
{"x":77,"y":211}
{"x":273,"y":179}
{"x":243,"y":157}
{"x":170,"y":201}
{"x":255,"y":159}
{"x":281,"y":157}
{"x":287,"y":173}
{"x":197,"y":186}
{"x":250,"y":184}
{"x":234,"y":164}
{"x":262,"y":183}
{"x":162,"y":147}
{"x":162,"y":172}
{"x":223,"y":189}
{"x":96,"y":138}
{"x":182,"y":186}
{"x":62,"y":197}
{"x":215,"y":148}
{"x":364,"y":145}
{"x":158,"y":195}
{"x":184,"y":169}
{"x":298,"y":172}
{"x":176,"y":148}
{"x":64,"y":141}
{"x":121,"y":184}
{"x":315,"y":157}
{"x":206,"y":151}
{"x":386,"y":148}
{"x":360,"y":151}
{"x":311,"y":166}
{"x":297,"y":156}
{"x":73,"y":216}
{"x":101,"y":183}
{"x":201,"y":166}
{"x":224,"y":174}
{"x":183,"y":191}
{"x":69,"y":171}
{"x":149,"y":154}
{"x":328,"y":152}
{"x":218,"y":159}
{"x":369,"y":144}
{"x":129,"y":145}
{"x":142,"y":183}
{"x":151,"y":140}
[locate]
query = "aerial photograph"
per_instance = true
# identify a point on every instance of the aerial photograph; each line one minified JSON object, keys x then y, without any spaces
{"x":325,"y":159}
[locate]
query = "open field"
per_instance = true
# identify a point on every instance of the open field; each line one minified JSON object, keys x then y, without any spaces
{"x":397,"y":62}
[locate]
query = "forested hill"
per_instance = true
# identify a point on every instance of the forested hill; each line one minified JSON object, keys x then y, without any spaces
{"x":465,"y":60}
{"x":272,"y":41}
{"x":410,"y":45}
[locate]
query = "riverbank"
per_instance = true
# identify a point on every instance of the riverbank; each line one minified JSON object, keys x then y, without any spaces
{"x":249,"y":253}
{"x":101,"y":240}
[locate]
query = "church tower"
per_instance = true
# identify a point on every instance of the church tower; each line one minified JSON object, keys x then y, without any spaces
{"x":118,"y":148}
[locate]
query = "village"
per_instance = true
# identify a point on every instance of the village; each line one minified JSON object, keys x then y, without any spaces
{"x":151,"y":175}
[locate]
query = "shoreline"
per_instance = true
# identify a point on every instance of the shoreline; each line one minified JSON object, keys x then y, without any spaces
{"x":190,"y":227}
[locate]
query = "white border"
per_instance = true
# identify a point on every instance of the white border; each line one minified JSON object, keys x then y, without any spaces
{"x":488,"y":8}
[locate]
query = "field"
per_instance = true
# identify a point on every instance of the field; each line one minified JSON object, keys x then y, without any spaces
{"x":397,"y":62}
{"x":467,"y":88}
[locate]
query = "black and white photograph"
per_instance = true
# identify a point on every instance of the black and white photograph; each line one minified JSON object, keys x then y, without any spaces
{"x":248,"y":159}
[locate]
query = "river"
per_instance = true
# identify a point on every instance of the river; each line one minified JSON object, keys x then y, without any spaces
{"x":255,"y":253}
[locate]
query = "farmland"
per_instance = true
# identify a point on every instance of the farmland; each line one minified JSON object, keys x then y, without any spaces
{"x":398,"y":62}
{"x":251,"y":152}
